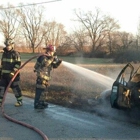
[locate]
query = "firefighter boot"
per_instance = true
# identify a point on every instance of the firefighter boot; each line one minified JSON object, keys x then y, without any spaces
{"x":38,"y":106}
{"x":18,"y":103}
{"x":45,"y":104}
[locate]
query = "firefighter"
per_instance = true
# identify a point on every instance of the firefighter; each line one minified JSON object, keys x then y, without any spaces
{"x":43,"y":67}
{"x":10,"y":63}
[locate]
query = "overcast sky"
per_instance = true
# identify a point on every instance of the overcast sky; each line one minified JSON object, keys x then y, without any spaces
{"x":126,"y":12}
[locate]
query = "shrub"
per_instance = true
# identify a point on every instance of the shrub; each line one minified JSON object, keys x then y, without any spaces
{"x":127,"y":56}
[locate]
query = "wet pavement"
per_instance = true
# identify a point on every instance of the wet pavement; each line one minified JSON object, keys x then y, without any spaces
{"x":58,"y":122}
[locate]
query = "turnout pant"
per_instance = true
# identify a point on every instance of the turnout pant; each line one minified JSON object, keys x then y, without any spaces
{"x":40,"y":95}
{"x":15,"y":86}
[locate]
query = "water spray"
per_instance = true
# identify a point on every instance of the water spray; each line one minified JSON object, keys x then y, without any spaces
{"x":92,"y":75}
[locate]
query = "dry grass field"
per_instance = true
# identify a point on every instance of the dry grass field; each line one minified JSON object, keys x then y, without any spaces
{"x":67,"y":88}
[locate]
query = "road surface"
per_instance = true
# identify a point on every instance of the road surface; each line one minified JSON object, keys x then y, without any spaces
{"x":57,"y":122}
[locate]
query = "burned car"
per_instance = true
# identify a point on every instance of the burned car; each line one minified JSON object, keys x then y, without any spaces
{"x":125,"y":92}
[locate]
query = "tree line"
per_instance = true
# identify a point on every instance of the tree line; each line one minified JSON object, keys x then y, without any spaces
{"x":97,"y":34}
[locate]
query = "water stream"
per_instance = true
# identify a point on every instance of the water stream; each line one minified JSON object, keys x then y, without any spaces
{"x":92,"y":75}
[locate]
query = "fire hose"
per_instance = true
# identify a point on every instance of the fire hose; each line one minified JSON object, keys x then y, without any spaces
{"x":5,"y":93}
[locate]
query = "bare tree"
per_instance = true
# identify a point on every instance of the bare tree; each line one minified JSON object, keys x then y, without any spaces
{"x":55,"y":33}
{"x":112,"y":26}
{"x":9,"y":23}
{"x":77,"y":40}
{"x":124,"y":41}
{"x":138,"y":36}
{"x":97,"y":27}
{"x":31,"y":22}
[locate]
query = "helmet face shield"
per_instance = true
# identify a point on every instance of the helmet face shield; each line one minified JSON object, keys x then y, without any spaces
{"x":53,"y":49}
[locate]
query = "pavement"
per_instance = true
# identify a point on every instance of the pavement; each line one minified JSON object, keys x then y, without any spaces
{"x":58,"y":122}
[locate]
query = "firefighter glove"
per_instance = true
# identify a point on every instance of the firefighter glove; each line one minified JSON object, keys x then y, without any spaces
{"x":51,"y":58}
{"x":44,"y":82}
{"x":56,"y":63}
{"x":12,"y":73}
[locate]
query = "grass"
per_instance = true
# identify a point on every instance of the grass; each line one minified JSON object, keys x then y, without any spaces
{"x":27,"y":56}
{"x":81,"y":60}
{"x":74,"y":60}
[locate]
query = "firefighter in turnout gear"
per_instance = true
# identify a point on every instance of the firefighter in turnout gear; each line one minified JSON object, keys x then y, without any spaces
{"x":43,"y":67}
{"x":10,"y":63}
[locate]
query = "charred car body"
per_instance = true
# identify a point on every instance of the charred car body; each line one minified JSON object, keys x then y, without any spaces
{"x":125,"y":92}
